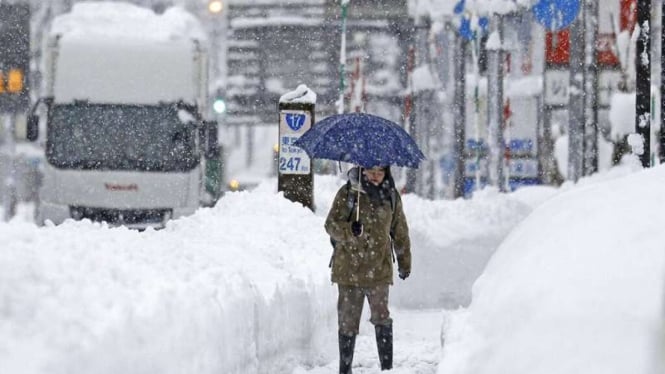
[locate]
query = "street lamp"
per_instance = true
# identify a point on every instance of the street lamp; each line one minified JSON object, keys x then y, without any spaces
{"x":215,"y":6}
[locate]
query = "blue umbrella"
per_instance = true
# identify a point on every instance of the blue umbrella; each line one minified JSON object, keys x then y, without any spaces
{"x":362,"y":139}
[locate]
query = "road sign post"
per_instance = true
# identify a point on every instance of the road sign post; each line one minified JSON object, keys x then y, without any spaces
{"x":643,"y":80}
{"x":294,"y":167}
{"x":459,"y":114}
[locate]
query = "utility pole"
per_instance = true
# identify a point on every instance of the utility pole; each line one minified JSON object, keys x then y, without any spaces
{"x":459,"y":113}
{"x":9,"y":200}
{"x":590,"y":144}
{"x":423,"y":103}
{"x":409,"y":120}
{"x":583,"y":99}
{"x":495,"y":60}
{"x":576,"y":103}
{"x":643,"y":80}
{"x":662,"y":83}
{"x":342,"y":57}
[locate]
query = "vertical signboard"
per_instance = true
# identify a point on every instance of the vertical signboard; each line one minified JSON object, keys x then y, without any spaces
{"x":292,"y":125}
{"x":294,"y":170}
{"x":15,"y":57}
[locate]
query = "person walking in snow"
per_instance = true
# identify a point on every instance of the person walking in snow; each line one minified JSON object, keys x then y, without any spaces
{"x":368,"y":229}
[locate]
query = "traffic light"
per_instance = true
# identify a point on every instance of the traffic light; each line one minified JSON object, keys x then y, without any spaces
{"x":215,"y":6}
{"x":219,"y":105}
{"x":15,"y":81}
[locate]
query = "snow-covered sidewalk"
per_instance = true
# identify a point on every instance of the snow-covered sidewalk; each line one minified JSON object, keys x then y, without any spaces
{"x":417,"y":346}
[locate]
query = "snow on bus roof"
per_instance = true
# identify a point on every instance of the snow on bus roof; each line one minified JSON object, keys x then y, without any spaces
{"x":126,"y":21}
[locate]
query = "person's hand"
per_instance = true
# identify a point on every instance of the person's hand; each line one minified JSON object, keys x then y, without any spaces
{"x":403,"y":274}
{"x":357,"y":228}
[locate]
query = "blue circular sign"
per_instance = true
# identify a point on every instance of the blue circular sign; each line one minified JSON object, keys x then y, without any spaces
{"x":555,"y":15}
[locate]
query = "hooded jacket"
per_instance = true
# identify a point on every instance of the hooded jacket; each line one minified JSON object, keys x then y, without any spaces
{"x":366,"y":260}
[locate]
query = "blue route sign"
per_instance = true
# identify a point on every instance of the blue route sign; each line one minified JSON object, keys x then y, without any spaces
{"x":295,"y":121}
{"x":555,"y":15}
{"x":459,"y":7}
{"x":468,"y":33}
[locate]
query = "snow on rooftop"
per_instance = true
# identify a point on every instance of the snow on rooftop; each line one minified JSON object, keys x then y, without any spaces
{"x":302,"y":94}
{"x":272,"y":2}
{"x":492,"y":6}
{"x":251,"y":22}
{"x":122,"y":53}
{"x":118,"y":20}
{"x":441,"y":8}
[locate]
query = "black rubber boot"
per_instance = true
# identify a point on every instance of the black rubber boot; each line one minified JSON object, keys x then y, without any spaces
{"x":346,"y":346}
{"x":384,"y":343}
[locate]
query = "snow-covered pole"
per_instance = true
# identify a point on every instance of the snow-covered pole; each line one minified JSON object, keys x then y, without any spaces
{"x":495,"y":105}
{"x":409,"y":125}
{"x":459,"y":113}
{"x":662,"y":85}
{"x":643,"y":80}
{"x":9,"y":199}
{"x":475,"y":51}
{"x":342,"y":58}
{"x":576,"y":102}
{"x":357,"y":94}
{"x":590,"y":146}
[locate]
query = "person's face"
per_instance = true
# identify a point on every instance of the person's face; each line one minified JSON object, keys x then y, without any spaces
{"x":375,"y":175}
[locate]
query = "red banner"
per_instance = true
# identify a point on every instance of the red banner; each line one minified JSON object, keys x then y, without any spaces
{"x":557,"y":44}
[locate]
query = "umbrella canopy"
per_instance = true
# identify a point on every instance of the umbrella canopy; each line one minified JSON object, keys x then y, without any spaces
{"x":362,"y":139}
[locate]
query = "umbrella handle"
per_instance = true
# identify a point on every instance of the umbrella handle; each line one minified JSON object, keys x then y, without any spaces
{"x":358,"y":198}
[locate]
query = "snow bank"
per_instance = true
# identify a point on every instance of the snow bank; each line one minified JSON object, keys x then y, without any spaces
{"x":225,"y":291}
{"x":239,"y":288}
{"x":451,"y":243}
{"x":575,"y":288}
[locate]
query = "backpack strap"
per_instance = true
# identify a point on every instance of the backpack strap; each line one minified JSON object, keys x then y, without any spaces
{"x":350,"y":200}
{"x":393,"y":205}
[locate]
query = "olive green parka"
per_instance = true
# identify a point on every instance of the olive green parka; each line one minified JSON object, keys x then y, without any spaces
{"x":366,"y":260}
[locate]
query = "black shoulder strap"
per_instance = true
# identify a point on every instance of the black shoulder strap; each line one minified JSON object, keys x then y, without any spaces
{"x":393,"y":204}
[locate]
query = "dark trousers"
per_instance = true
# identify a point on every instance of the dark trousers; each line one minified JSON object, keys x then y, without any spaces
{"x":350,"y":306}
